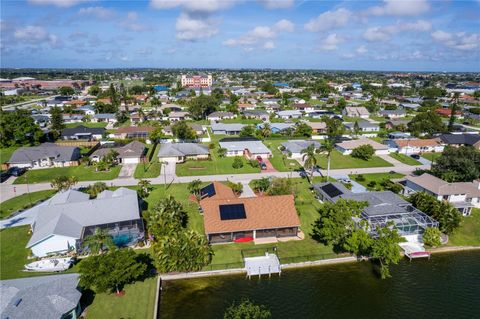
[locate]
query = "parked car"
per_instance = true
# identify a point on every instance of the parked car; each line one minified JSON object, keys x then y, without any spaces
{"x":263,"y":166}
{"x":415,"y":156}
{"x":16,"y":171}
{"x":4,"y":176}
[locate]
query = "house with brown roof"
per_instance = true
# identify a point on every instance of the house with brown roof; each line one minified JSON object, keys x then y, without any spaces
{"x":417,"y":146}
{"x":356,"y":111}
{"x":464,"y":196}
{"x":228,"y":218}
{"x":317,"y":127}
{"x":132,"y":153}
{"x":347,"y":147}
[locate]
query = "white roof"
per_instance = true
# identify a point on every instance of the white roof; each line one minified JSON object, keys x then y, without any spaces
{"x":254,"y":147}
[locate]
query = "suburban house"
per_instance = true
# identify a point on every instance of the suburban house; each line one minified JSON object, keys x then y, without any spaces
{"x":62,"y":222}
{"x":294,"y":148}
{"x":45,"y":155}
{"x":399,"y":136}
{"x":133,"y":132}
{"x":364,"y":126}
{"x":248,"y":147}
{"x":392,"y":114}
{"x":394,"y":124}
{"x":178,"y":116}
{"x":317,"y":127}
{"x":356,"y":111}
{"x":410,"y":106}
{"x":72,"y":118}
{"x":83,"y":133}
{"x":289,"y":114}
{"x":383,"y":208}
{"x":104,"y":117}
{"x":464,"y":196}
{"x":448,"y":113}
{"x":197,"y":128}
{"x":277,"y":127}
{"x":270,"y":108}
{"x":246,"y":106}
{"x":180,"y":152}
{"x":53,"y":297}
{"x":228,"y":218}
{"x":227,"y":129}
{"x":347,"y":147}
{"x":257,"y":114}
{"x":41,"y":120}
{"x":305,"y":107}
{"x":217,"y":116}
{"x":416,"y":146}
{"x":132,"y":153}
{"x":87,"y":110}
{"x":461,"y":140}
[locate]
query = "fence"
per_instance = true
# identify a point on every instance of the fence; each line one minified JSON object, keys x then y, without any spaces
{"x":299,"y":259}
{"x":253,"y":252}
{"x":78,"y":143}
{"x":224,"y":266}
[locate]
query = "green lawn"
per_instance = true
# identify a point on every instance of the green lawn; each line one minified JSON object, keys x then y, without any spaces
{"x":404,"y":159}
{"x":6,"y":153}
{"x":430,"y":156}
{"x":214,"y":166}
{"x":23,"y":201}
{"x":277,"y":160}
{"x":469,"y":231}
{"x":83,"y":173}
{"x":376,"y":177}
{"x":340,"y":161}
{"x":138,"y":302}
{"x":151,"y":169}
{"x":87,"y":124}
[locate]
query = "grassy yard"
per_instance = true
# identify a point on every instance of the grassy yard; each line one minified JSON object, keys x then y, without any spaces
{"x":431,"y":156}
{"x":404,"y":159}
{"x":469,"y":231}
{"x":6,"y":153}
{"x":83,"y":173}
{"x":138,"y":302}
{"x":243,"y":121}
{"x":376,"y":177}
{"x":151,"y":169}
{"x":277,"y":160}
{"x":23,"y":201}
{"x":87,"y":124}
{"x":340,"y":161}
{"x":216,"y":165}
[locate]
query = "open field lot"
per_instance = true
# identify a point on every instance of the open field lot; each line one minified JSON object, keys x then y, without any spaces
{"x":83,"y":173}
{"x":468,"y":234}
{"x":340,"y":161}
{"x":404,"y":159}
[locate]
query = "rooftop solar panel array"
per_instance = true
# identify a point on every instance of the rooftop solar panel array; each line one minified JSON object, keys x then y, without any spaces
{"x":233,"y":211}
{"x":331,"y":190}
{"x":208,"y":191}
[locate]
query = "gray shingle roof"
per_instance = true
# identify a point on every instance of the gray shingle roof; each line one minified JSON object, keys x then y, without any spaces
{"x":255,"y":147}
{"x":25,"y":155}
{"x":231,"y":127}
{"x":297,"y":146}
{"x":182,"y":149}
{"x":40,"y":297}
{"x":133,"y":149}
{"x":67,"y":214}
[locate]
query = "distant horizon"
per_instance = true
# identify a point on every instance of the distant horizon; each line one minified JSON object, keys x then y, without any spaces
{"x":370,"y":35}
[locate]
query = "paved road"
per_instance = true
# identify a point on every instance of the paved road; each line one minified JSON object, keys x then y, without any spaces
{"x":7,"y":191}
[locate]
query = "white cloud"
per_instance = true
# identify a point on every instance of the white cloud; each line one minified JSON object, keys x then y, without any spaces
{"x":97,"y":12}
{"x":459,"y":40}
{"x":330,"y":42}
{"x":277,"y":4}
{"x":269,"y":45}
{"x":35,"y":35}
{"x":259,"y":34}
{"x":193,"y":28}
{"x":193,"y":5}
{"x":384,"y":33}
{"x":400,"y":8}
{"x":144,"y":51}
{"x":131,"y":22}
{"x":329,"y":20}
{"x":361,"y":50}
{"x":58,"y":3}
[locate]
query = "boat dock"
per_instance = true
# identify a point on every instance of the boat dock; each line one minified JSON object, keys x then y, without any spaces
{"x":414,"y":250}
{"x":262,"y":265}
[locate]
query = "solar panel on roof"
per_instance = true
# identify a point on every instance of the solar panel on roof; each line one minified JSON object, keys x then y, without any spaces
{"x":208,"y":191}
{"x":232,"y":211}
{"x":331,"y":190}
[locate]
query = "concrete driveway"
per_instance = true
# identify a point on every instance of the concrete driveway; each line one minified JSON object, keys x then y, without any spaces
{"x":127,"y":170}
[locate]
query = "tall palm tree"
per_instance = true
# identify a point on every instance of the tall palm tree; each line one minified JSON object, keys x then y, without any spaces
{"x":98,"y":241}
{"x":328,"y":146}
{"x":266,"y":130}
{"x":309,"y":159}
{"x":194,"y":187}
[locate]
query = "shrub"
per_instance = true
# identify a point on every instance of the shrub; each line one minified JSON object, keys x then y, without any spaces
{"x":364,"y":152}
{"x":237,"y":162}
{"x":254,"y":163}
{"x":431,"y":237}
{"x":371,"y":184}
{"x":360,"y":178}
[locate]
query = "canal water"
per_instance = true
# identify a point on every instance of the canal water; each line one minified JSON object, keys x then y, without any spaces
{"x":446,"y":286}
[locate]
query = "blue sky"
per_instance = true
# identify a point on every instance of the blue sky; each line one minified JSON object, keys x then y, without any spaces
{"x":420,"y":35}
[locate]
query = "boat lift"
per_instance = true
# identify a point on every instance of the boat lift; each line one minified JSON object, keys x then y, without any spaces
{"x":262,"y":265}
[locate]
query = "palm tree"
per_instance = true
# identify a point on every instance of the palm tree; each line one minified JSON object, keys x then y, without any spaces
{"x":194,"y":187}
{"x":309,"y":159}
{"x":144,"y":188}
{"x":328,"y":146}
{"x":98,"y":241}
{"x":266,"y":130}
